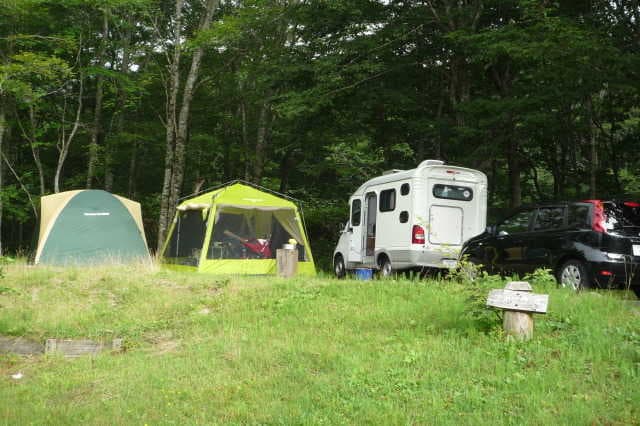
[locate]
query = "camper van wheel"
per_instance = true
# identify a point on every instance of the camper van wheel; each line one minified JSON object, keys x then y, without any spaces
{"x":338,"y":266}
{"x":385,"y":267}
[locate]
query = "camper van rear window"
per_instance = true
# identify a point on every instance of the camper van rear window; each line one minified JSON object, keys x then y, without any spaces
{"x":451,"y":192}
{"x":387,"y":200}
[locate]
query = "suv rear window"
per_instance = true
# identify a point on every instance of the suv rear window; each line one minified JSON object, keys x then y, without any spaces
{"x":578,"y":216}
{"x":619,"y":216}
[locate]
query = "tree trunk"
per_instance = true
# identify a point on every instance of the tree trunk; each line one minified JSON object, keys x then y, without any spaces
{"x":2,"y":128}
{"x":65,"y":141}
{"x":262,"y":138}
{"x":177,"y":131}
{"x":593,"y":150}
{"x":285,"y":169}
{"x":120,"y":109}
{"x":514,"y":173}
{"x":185,"y":110}
{"x":492,"y":182}
{"x":35,"y":150}
{"x":245,"y":140}
{"x":562,"y":170}
{"x":96,"y":131}
{"x":458,"y":88}
{"x":555,"y":172}
{"x":131,"y":187}
{"x":439,"y":154}
{"x":172,"y":99}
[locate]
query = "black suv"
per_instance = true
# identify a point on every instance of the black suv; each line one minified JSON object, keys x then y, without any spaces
{"x":586,"y":244}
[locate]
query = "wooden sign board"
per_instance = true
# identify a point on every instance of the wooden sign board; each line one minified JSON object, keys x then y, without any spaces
{"x":518,"y":301}
{"x":74,"y":348}
{"x":518,"y":286}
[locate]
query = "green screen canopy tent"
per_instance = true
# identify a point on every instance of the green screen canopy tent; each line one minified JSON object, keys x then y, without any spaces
{"x":90,"y":227}
{"x":235,"y":229}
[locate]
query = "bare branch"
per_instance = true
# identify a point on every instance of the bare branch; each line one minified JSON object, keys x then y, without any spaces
{"x":24,"y":188}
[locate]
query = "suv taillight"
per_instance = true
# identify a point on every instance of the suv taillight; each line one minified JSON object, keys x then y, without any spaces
{"x":417,"y":235}
{"x":598,"y":219}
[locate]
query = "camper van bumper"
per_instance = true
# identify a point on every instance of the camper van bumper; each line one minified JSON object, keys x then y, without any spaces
{"x":434,"y":259}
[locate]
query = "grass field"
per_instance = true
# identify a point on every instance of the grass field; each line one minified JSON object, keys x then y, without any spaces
{"x":210,"y":350}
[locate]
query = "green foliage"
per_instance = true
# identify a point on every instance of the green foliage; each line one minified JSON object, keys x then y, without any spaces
{"x":325,"y":220}
{"x":541,"y":279}
{"x":631,"y":182}
{"x":30,"y":76}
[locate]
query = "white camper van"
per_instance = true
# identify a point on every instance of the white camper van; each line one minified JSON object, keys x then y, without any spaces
{"x":410,"y":219}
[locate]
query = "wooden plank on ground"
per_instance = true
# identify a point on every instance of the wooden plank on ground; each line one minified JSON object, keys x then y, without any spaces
{"x":518,"y":301}
{"x":20,"y":346}
{"x":74,"y":348}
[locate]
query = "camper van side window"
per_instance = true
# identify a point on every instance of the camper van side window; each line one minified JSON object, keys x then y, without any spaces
{"x":404,"y":189}
{"x":388,"y":200}
{"x":355,"y":212}
{"x":453,"y":192}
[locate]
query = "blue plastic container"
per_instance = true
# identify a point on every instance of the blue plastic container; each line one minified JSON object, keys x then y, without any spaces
{"x":364,"y":274}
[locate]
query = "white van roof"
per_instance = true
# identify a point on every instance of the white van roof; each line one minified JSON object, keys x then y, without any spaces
{"x":437,"y":166}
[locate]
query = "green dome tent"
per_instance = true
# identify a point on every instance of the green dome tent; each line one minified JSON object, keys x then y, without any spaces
{"x":90,"y":227}
{"x":235,"y":229}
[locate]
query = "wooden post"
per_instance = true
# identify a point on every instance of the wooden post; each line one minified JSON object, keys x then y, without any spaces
{"x":519,"y":305}
{"x":287,"y":261}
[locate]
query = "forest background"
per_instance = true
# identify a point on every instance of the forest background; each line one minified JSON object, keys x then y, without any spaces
{"x":157,"y":99}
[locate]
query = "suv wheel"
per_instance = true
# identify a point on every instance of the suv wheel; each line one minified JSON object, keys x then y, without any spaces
{"x":338,"y":266}
{"x":573,"y":274}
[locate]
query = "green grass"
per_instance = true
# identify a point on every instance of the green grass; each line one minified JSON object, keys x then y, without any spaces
{"x":206,"y":350}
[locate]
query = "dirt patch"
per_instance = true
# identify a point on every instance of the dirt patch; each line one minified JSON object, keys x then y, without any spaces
{"x":163,"y":342}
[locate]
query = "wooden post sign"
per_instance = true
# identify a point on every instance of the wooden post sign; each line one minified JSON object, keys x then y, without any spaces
{"x":287,"y":262}
{"x":519,"y":305}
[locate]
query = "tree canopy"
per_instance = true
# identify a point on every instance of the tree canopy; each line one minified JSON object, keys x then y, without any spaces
{"x":156,"y":99}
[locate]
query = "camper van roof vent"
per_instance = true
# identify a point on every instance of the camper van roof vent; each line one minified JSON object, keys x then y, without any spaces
{"x":392,"y":171}
{"x":431,"y":163}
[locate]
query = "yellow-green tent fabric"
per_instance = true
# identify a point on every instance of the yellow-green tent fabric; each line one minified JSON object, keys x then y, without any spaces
{"x":217,"y":232}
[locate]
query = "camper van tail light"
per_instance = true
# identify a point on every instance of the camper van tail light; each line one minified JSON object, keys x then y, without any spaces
{"x":598,"y":219}
{"x":417,"y":235}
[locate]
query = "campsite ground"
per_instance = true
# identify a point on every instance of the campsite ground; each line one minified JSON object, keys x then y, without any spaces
{"x":203,"y":349}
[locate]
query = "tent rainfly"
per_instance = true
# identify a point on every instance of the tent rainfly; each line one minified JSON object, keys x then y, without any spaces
{"x":235,"y":229}
{"x":90,"y":227}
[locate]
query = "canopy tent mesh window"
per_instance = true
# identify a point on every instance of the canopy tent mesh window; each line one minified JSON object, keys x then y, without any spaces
{"x":266,"y":228}
{"x":235,"y":229}
{"x":186,"y":241}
